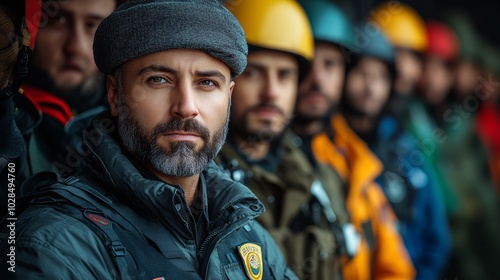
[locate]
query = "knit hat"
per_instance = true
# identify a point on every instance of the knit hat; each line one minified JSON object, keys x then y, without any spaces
{"x":140,"y":27}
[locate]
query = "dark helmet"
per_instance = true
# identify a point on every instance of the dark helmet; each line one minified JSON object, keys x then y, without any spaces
{"x":19,"y":21}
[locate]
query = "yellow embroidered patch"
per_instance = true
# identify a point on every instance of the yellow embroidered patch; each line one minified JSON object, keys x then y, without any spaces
{"x":252,"y":258}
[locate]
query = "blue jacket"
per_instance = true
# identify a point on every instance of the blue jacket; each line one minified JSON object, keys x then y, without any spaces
{"x":413,"y":193}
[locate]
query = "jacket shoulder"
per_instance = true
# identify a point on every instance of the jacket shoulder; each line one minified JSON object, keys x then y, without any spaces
{"x":46,"y":239}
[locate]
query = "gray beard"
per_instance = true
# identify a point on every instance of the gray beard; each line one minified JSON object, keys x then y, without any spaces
{"x":182,"y":160}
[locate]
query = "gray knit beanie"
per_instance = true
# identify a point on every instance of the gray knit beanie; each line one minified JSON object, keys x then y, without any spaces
{"x":140,"y":27}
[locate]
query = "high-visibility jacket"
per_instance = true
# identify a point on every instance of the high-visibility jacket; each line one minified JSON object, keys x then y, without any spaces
{"x":381,"y":254}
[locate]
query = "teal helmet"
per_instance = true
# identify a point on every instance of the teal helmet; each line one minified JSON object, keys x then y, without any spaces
{"x":376,"y":45}
{"x":329,"y":23}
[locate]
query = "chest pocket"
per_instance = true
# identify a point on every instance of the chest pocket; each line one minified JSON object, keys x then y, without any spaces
{"x":234,"y":271}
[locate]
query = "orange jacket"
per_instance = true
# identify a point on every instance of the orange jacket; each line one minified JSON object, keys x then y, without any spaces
{"x":382,"y":254}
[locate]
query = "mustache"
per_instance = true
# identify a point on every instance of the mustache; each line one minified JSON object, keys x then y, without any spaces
{"x":187,"y":125}
{"x":317,"y":91}
{"x":267,"y":106}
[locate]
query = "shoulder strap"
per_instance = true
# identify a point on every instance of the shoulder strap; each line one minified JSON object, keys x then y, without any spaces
{"x":122,"y":231}
{"x":95,"y":220}
{"x":85,"y":210}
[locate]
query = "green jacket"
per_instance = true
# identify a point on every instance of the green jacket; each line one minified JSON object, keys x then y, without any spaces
{"x":460,"y":160}
{"x":57,"y":245}
{"x":310,"y":248}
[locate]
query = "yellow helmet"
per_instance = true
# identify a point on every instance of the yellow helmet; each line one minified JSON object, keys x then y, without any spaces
{"x":275,"y":24}
{"x":402,"y":25}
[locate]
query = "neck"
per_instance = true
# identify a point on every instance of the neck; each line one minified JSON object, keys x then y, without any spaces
{"x":255,"y":150}
{"x":188,"y":184}
{"x":308,"y":128}
{"x":361,"y":124}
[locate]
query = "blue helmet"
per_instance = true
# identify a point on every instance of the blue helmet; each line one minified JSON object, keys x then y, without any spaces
{"x":328,"y":22}
{"x":375,"y":44}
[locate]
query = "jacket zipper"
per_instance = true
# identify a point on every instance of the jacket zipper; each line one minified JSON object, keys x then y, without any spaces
{"x":219,"y":231}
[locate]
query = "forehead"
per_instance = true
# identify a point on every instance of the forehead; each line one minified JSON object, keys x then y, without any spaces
{"x":327,"y":48}
{"x":80,"y":8}
{"x":179,"y":61}
{"x":372,"y":63}
{"x":272,"y":59}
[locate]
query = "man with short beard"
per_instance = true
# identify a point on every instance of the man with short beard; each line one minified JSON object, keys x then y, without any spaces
{"x":263,"y":153}
{"x":62,"y":65}
{"x":63,"y":79}
{"x":149,"y":203}
{"x":327,"y":139}
{"x":408,"y":185}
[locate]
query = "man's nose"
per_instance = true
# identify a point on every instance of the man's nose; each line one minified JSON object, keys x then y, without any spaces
{"x":184,"y":102}
{"x":77,"y":41}
{"x":271,"y":89}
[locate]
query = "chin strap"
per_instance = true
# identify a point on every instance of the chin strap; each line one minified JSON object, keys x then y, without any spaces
{"x":20,"y":72}
{"x":20,"y":68}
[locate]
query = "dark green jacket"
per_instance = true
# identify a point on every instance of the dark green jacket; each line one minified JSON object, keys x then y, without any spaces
{"x":53,"y":245}
{"x":309,"y":246}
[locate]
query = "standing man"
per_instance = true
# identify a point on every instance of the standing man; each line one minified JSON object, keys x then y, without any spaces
{"x":40,"y":114}
{"x":264,"y":154}
{"x":63,"y":79}
{"x":327,"y":137}
{"x":62,"y":70}
{"x":18,"y":29}
{"x":460,"y":157}
{"x":414,"y":197}
{"x":149,"y":203}
{"x":406,"y":31}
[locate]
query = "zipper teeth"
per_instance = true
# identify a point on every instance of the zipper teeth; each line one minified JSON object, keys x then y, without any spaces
{"x":202,"y":248}
{"x":213,"y":234}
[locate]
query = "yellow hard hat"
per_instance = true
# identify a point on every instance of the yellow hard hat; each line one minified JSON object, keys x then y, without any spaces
{"x":401,"y":24}
{"x":275,"y":24}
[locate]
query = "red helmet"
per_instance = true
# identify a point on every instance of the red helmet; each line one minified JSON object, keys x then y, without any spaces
{"x":441,"y":41}
{"x":33,"y":9}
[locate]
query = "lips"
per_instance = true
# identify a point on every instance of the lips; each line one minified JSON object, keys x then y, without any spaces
{"x":267,"y":111}
{"x":182,"y":135}
{"x":71,"y":67}
{"x":315,"y":97}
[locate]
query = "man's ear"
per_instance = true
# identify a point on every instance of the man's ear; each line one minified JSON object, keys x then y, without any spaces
{"x":231,"y":87}
{"x":112,"y":90}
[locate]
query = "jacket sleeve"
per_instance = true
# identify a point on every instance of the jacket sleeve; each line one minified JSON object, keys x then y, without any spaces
{"x":391,"y":260}
{"x":57,"y":248}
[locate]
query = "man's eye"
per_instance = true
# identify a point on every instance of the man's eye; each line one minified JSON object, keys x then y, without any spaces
{"x":92,"y":25}
{"x":330,"y":63}
{"x":207,"y":83}
{"x":251,"y":73}
{"x":287,"y":75}
{"x":157,"y":80}
{"x":58,"y":20}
